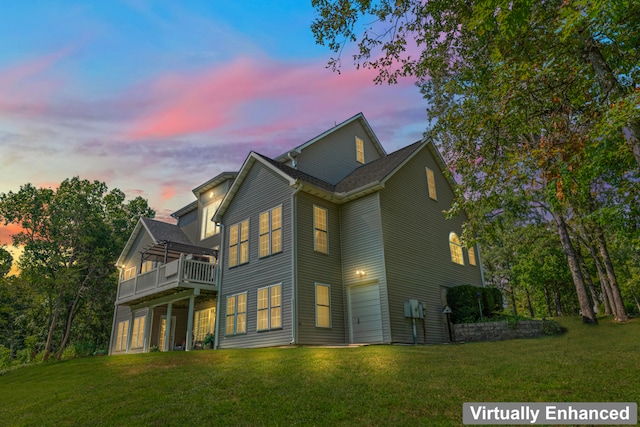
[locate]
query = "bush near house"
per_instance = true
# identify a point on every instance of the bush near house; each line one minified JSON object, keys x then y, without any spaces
{"x":465,"y":302}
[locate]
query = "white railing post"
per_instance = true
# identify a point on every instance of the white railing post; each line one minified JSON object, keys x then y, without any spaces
{"x":180,"y":267}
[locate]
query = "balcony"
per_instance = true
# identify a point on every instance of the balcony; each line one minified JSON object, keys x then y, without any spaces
{"x":173,"y":277}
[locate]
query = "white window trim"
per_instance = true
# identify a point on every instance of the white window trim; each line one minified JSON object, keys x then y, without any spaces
{"x":209,"y":228}
{"x":359,"y":150}
{"x":137,"y":335}
{"x":315,"y":229}
{"x":238,"y":260}
{"x":268,"y":309}
{"x":431,"y":183}
{"x":269,"y":232}
{"x":316,"y":305}
{"x":201,"y":331}
{"x":472,"y":256}
{"x":235,"y":314}
{"x":457,"y":256}
{"x":122,"y":334}
{"x":129,"y":273}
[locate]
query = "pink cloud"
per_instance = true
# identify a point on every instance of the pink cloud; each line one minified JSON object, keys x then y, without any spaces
{"x":220,"y":97}
{"x":22,"y":90}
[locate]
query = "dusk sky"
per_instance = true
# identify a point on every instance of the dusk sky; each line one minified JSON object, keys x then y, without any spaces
{"x":157,"y":97}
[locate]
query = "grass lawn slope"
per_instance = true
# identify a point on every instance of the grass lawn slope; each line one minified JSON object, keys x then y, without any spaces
{"x":374,"y":385}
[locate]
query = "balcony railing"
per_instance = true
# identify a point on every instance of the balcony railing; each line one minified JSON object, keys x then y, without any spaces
{"x":183,"y":273}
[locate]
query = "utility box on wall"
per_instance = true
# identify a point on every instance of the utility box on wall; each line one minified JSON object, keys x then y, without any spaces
{"x":413,"y":309}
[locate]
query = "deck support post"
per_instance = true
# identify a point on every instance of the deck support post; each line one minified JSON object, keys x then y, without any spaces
{"x":167,"y":328}
{"x":189,"y":343}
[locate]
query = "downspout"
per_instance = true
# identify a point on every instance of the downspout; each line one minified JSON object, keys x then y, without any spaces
{"x":480,"y":264}
{"x":219,"y":284}
{"x":294,"y":266}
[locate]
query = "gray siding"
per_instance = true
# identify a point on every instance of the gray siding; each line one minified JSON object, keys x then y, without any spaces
{"x":334,"y":157}
{"x":262,"y":190}
{"x":134,"y":257}
{"x":362,"y":249}
{"x":416,"y":246}
{"x":189,"y":224}
{"x":314,"y":267}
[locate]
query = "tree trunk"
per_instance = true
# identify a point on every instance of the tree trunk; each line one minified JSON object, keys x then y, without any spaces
{"x":67,"y":331}
{"x":547,"y":297}
{"x":588,"y":316}
{"x":531,"y":312}
{"x":52,"y":327}
{"x":558,"y":305}
{"x":588,"y":281}
{"x":619,"y":312}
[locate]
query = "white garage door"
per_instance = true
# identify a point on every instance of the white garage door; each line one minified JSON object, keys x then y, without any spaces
{"x":366,"y":318}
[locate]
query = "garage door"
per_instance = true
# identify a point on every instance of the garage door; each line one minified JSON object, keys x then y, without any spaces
{"x":365,"y":315}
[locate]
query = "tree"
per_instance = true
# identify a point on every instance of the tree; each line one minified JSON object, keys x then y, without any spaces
{"x":5,"y":262}
{"x":71,"y":238}
{"x":518,"y":109}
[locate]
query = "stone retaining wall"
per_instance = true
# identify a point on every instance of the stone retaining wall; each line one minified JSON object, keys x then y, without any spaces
{"x":495,"y":331}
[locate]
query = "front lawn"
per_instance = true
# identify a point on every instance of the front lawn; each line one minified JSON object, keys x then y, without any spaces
{"x":374,"y":385}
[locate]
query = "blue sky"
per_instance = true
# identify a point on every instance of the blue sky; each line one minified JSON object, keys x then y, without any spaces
{"x":157,"y":97}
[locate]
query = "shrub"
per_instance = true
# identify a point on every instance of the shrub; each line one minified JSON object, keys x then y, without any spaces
{"x":5,"y":357}
{"x":464,"y":303}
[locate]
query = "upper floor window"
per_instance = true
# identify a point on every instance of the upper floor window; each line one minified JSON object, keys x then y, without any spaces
{"x":431,"y":183}
{"x":320,"y":231}
{"x":147,"y":266}
{"x":269,"y":308}
{"x":236,"y":319}
{"x":456,"y":249}
{"x":359,"y":150}
{"x":209,"y":228}
{"x":271,"y":232}
{"x":472,"y":256}
{"x":239,"y":243}
{"x":129,"y":273}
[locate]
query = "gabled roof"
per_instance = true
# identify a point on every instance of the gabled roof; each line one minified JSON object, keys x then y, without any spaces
{"x":216,"y":180}
{"x":362,"y":181}
{"x":185,"y":210}
{"x":358,"y":117}
{"x":159,"y":231}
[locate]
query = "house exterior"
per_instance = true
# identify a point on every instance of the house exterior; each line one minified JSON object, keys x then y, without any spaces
{"x":325,"y":244}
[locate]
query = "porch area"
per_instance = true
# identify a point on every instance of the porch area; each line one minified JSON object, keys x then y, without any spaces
{"x":166,"y":279}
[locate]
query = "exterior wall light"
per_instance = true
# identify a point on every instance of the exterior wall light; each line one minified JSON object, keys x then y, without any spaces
{"x":361,"y":273}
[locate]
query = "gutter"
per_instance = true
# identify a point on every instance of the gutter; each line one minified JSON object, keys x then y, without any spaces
{"x":294,"y":264}
{"x":221,"y":252}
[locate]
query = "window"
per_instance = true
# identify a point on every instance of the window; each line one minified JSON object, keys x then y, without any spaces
{"x":323,"y":306}
{"x":129,"y":273}
{"x":456,"y":249}
{"x":269,"y":308}
{"x":147,"y":266}
{"x":271,"y":232}
{"x":320,"y":230}
{"x":472,"y":256}
{"x":431,"y":183}
{"x":359,"y":150}
{"x":122,"y":335}
{"x":239,"y":243}
{"x":204,"y":322}
{"x":209,"y":228}
{"x":137,"y":335}
{"x":236,"y":314}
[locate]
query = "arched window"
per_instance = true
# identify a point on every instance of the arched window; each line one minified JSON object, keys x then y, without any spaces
{"x":456,"y":249}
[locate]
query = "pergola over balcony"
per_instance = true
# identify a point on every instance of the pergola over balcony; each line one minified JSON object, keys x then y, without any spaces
{"x":179,"y":268}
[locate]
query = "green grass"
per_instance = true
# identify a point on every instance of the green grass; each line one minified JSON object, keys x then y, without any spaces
{"x":375,"y":385}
